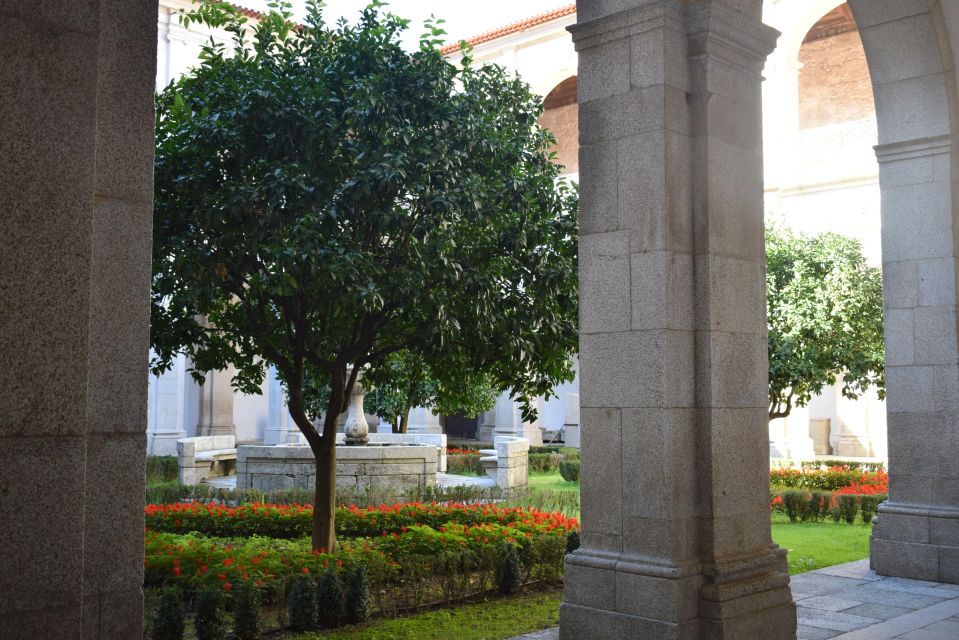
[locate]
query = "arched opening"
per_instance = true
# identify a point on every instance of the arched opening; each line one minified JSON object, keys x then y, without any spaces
{"x":561,"y":116}
{"x":822,"y":177}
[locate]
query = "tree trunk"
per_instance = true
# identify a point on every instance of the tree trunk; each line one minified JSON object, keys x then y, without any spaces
{"x":324,"y":497}
{"x":406,"y":421}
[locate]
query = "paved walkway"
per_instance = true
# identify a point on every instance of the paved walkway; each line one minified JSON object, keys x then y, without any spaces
{"x":850,"y":602}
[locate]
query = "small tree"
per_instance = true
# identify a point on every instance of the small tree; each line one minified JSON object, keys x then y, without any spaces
{"x":824,"y":308}
{"x":325,"y":199}
{"x":406,"y":381}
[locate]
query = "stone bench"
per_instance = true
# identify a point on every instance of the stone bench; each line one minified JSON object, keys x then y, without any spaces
{"x":205,"y":457}
{"x":507,"y":462}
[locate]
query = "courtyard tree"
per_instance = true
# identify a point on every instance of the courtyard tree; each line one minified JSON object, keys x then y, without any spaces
{"x":325,"y":199}
{"x":824,"y":308}
{"x":406,"y":381}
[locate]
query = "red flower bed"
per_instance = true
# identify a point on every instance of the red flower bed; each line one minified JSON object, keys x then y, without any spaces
{"x":294,"y":521}
{"x":831,"y":479}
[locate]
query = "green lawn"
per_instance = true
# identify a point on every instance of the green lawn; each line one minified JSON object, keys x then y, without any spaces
{"x":814,"y":545}
{"x":493,"y":620}
{"x":551,"y":482}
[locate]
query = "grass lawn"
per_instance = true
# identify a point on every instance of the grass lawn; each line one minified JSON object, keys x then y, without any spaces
{"x":493,"y":620}
{"x":552,"y":482}
{"x":814,"y":545}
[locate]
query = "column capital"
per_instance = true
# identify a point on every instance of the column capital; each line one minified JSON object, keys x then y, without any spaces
{"x":732,"y":36}
{"x":656,"y":14}
{"x":911,"y":149}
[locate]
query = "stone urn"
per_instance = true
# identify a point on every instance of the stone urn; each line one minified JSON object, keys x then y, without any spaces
{"x":356,"y":428}
{"x":819,"y":429}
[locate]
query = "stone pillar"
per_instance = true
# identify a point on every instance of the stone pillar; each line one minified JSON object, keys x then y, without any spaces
{"x":571,"y":419}
{"x":917,"y":531}
{"x":508,"y":421}
{"x":280,"y":428}
{"x":914,"y":83}
{"x":675,"y":475}
{"x":216,"y":404}
{"x":166,"y":409}
{"x":422,"y":420}
{"x":76,"y":201}
{"x":487,"y":422}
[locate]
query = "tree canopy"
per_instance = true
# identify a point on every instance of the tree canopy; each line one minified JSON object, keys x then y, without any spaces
{"x":325,"y":199}
{"x":824,"y":309}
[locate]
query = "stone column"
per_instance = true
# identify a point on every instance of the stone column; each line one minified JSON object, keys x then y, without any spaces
{"x":165,"y":413}
{"x":280,"y":428}
{"x":913,"y":74}
{"x":675,"y":487}
{"x":487,"y":422}
{"x":917,"y":531}
{"x":216,"y":404}
{"x":76,"y":202}
{"x":571,"y":419}
{"x":423,"y":420}
{"x":509,"y":421}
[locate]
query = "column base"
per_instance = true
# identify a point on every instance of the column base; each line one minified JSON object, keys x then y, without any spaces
{"x":163,"y":443}
{"x":612,"y":597}
{"x":918,"y":542}
{"x":215,"y":430}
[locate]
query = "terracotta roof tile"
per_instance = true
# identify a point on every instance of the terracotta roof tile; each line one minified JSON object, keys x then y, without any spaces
{"x":516,"y":27}
{"x":249,"y":13}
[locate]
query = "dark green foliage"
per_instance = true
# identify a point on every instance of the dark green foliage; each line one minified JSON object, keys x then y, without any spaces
{"x":868,"y":506}
{"x":303,"y":604}
{"x":247,"y":616}
{"x":795,"y":504}
{"x":329,"y":599}
{"x":162,"y":469}
{"x":848,"y":506}
{"x":818,"y":506}
{"x":325,"y":197}
{"x":569,"y":469}
{"x":824,"y":310}
{"x":210,"y":619}
{"x":508,"y":570}
{"x":168,"y":624}
{"x":359,"y":600}
{"x":572,"y":541}
{"x":545,"y":462}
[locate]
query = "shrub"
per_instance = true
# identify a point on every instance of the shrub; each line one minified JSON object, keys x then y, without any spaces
{"x":795,"y":504}
{"x":329,"y":600}
{"x":464,"y":464}
{"x":818,"y":505}
{"x":868,"y":506}
{"x":359,"y":600}
{"x":545,"y":462}
{"x":169,"y":621}
{"x":210,"y":620}
{"x":508,"y":571}
{"x":162,"y":468}
{"x":247,"y":615}
{"x":848,"y":506}
{"x":572,"y":541}
{"x":569,"y":469}
{"x":303,"y":604}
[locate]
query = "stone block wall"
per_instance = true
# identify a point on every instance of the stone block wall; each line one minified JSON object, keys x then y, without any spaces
{"x":76,"y":193}
{"x":358,"y":469}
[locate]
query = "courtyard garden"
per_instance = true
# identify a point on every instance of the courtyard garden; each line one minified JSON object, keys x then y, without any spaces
{"x":468,"y":562}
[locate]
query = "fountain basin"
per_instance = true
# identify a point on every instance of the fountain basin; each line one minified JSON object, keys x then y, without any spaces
{"x":396,"y":465}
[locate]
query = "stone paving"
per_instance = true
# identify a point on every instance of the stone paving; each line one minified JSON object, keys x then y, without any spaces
{"x":850,"y":602}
